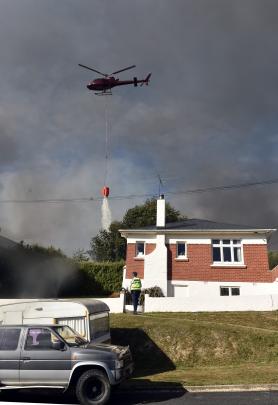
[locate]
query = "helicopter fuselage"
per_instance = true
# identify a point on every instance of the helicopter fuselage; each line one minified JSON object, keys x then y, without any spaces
{"x":108,"y":83}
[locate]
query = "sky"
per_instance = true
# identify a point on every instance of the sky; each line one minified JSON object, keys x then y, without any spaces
{"x":208,"y":118}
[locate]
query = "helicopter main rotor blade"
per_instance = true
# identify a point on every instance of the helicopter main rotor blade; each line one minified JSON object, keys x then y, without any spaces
{"x":94,"y":70}
{"x":122,"y":70}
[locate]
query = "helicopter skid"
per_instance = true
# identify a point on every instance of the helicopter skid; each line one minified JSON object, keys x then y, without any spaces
{"x":104,"y":93}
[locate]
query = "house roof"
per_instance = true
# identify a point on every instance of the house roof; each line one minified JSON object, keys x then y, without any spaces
{"x":6,"y":243}
{"x":198,"y":225}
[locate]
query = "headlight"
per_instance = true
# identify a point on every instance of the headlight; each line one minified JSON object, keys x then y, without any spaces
{"x":119,"y":363}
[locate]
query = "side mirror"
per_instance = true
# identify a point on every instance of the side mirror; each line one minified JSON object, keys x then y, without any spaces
{"x":59,"y":345}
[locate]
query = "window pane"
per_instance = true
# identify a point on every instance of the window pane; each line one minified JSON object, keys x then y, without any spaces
{"x":236,"y":241}
{"x":227,"y":254}
{"x":140,"y":248}
{"x":9,"y":338}
{"x":235,"y":291}
{"x":226,"y":241}
{"x":215,"y":241}
{"x":181,"y":249}
{"x":99,"y":326}
{"x":216,"y":254}
{"x":40,"y":339}
{"x":237,"y":254}
{"x":224,"y":291}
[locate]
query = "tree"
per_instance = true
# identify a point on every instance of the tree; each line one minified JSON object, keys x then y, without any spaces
{"x":80,"y":255}
{"x":110,"y":246}
{"x":145,"y":215}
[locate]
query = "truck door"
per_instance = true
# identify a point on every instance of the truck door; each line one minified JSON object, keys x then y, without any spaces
{"x":41,"y":361}
{"x":9,"y":355}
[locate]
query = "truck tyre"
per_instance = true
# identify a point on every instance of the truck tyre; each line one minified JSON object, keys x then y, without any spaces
{"x":93,"y":388}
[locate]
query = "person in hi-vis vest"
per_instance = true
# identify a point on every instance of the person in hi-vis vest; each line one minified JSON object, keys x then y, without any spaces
{"x":135,"y":289}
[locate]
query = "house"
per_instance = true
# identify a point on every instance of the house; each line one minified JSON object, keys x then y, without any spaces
{"x":198,"y":258}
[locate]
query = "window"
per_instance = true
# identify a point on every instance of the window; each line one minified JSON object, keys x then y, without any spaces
{"x":181,"y":249}
{"x":40,"y":339}
{"x":9,"y":338}
{"x":99,"y":325}
{"x":140,"y":249}
{"x":226,"y":291}
{"x":227,"y":251}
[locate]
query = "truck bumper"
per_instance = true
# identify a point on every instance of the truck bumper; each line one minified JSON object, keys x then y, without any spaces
{"x":123,"y":373}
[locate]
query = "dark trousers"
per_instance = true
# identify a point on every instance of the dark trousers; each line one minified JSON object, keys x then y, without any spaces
{"x":135,"y":294}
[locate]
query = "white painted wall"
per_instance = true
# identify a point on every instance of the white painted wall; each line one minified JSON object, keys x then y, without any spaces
{"x":212,"y":288}
{"x":155,"y":266}
{"x":206,"y":304}
{"x":116,"y":305}
{"x":7,"y":301}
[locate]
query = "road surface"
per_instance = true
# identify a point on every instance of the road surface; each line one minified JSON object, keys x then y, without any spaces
{"x":150,"y":398}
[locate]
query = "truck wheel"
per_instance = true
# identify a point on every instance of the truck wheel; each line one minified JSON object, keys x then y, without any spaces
{"x":93,"y":388}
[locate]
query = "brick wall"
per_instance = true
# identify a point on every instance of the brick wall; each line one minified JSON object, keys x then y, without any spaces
{"x":136,"y":264}
{"x":198,"y":267}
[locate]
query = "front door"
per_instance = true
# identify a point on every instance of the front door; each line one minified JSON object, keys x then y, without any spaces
{"x":41,"y":362}
{"x":9,"y":355}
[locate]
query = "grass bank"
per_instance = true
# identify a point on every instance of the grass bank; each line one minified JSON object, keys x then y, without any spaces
{"x":201,"y":348}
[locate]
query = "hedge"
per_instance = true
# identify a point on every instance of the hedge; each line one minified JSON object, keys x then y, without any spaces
{"x":94,"y":279}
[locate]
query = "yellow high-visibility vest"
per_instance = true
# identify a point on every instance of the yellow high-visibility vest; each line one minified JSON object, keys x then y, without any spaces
{"x":135,"y":284}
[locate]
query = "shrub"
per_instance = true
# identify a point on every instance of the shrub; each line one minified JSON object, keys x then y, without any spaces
{"x":154,"y":291}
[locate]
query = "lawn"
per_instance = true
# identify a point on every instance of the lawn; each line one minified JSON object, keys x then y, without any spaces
{"x":201,"y":348}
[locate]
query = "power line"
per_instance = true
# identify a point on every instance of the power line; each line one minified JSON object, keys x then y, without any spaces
{"x":145,"y":195}
{"x":229,"y":187}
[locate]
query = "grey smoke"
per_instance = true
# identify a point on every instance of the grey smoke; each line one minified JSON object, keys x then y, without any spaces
{"x":209,"y":116}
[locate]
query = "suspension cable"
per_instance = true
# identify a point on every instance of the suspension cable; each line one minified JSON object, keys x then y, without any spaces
{"x":107,"y":138}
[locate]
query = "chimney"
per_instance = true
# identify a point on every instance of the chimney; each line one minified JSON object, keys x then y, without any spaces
{"x":160,"y":212}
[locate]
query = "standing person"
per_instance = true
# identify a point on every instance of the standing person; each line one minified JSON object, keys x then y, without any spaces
{"x":135,"y":289}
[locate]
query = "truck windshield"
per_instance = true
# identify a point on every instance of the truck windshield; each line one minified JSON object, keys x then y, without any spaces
{"x":70,"y":336}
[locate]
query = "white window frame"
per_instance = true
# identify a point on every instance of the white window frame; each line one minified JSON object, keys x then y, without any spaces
{"x":179,"y":242}
{"x":137,"y":254}
{"x":230,"y":291}
{"x":230,"y":245}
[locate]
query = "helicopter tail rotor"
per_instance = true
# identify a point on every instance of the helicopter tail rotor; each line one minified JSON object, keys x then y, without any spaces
{"x":146,"y":81}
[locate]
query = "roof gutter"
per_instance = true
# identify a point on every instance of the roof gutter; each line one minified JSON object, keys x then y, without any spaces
{"x":125,"y":232}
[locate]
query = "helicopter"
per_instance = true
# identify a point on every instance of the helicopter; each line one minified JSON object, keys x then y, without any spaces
{"x":103,"y":86}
